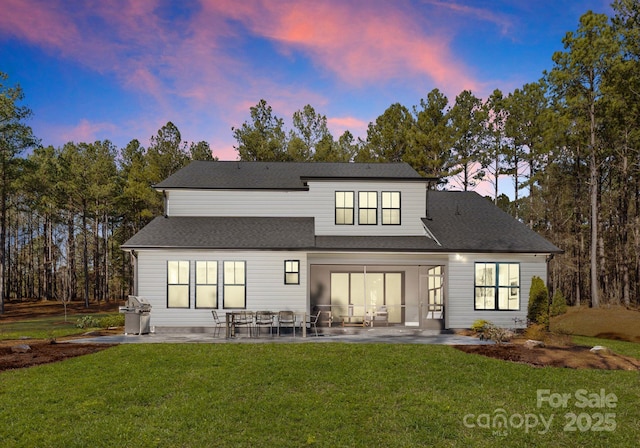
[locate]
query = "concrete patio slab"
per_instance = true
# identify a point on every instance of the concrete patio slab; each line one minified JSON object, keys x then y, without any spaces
{"x":382,"y":336}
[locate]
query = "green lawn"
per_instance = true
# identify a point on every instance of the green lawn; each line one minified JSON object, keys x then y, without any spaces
{"x":49,"y":327}
{"x":325,"y":395}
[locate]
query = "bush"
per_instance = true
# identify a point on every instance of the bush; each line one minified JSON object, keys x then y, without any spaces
{"x":87,"y":322}
{"x":537,"y":332}
{"x":114,"y":320}
{"x":479,"y":325}
{"x":497,"y":334}
{"x":538,"y":302}
{"x":558,"y":304}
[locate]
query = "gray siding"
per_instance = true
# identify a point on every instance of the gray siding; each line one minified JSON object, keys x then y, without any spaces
{"x":460,"y":311}
{"x":264,"y":284}
{"x":318,"y":202}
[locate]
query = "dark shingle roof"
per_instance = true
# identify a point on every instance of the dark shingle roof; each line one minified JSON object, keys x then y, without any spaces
{"x":459,"y":221}
{"x":225,"y":233}
{"x":279,"y":175}
{"x":467,"y":222}
{"x":378,"y":243}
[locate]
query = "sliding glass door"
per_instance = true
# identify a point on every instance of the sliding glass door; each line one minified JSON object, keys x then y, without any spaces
{"x":362,"y":293}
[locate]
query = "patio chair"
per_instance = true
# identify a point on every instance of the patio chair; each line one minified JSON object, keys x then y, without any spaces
{"x":287,"y":319}
{"x":244,"y":319}
{"x":313,"y":321}
{"x":264,"y":319}
{"x":217,"y":324}
{"x":382,"y":316}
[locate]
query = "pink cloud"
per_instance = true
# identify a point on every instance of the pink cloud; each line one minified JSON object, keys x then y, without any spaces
{"x":87,"y":131}
{"x":190,"y":59}
{"x":196,"y":60}
{"x":356,"y":126}
{"x":38,"y":23}
{"x":360,"y":44}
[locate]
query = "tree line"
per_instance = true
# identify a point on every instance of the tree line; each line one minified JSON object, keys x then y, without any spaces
{"x":569,"y":142}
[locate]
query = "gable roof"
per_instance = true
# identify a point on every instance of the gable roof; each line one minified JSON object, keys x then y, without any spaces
{"x":280,"y":175}
{"x":459,"y":222}
{"x":467,"y":222}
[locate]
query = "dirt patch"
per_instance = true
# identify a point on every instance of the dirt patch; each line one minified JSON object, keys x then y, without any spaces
{"x":43,"y":352}
{"x":28,"y":309}
{"x":573,"y":357}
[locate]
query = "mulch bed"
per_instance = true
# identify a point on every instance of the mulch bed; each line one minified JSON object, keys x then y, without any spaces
{"x":43,"y":352}
{"x":573,"y":357}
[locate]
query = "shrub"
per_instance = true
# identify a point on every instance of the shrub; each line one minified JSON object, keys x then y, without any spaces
{"x":558,"y":304}
{"x":87,"y":322}
{"x":497,"y":334}
{"x":479,"y":325}
{"x":537,"y":332}
{"x":538,"y":302}
{"x":113,"y":320}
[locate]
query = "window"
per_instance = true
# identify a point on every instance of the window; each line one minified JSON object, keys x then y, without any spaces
{"x":206,"y":284}
{"x":391,"y":208}
{"x":235,"y":293}
{"x":177,"y":284}
{"x":497,"y":286}
{"x":344,"y":207}
{"x":368,"y":207}
{"x":292,"y":272}
{"x":355,"y":294}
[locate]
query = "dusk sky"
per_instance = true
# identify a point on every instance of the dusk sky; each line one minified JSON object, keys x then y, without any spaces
{"x":119,"y":70}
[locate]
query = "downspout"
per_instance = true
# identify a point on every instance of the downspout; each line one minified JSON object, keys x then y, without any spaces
{"x":134,"y":263}
{"x":549,"y":298}
{"x":166,"y":203}
{"x":426,"y":202}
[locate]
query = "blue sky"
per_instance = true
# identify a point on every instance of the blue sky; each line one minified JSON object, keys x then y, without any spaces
{"x":120,"y":69}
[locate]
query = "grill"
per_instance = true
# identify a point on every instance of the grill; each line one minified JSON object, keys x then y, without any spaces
{"x":136,"y":315}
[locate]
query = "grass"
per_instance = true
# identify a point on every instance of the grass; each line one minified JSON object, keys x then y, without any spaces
{"x":614,"y":322}
{"x":292,"y":395}
{"x":47,"y":327}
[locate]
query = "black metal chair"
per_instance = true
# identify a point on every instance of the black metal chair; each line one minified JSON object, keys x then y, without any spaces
{"x":287,"y":319}
{"x":217,"y":324}
{"x":264,"y":319}
{"x":244,"y":319}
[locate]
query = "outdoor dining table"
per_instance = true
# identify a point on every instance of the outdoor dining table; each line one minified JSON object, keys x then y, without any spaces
{"x":230,"y":322}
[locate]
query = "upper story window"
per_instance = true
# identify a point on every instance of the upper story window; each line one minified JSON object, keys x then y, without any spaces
{"x":344,"y":207}
{"x":368,"y":207}
{"x":391,"y":208}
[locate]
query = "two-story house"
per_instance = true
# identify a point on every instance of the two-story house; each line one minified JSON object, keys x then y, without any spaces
{"x":355,"y":240}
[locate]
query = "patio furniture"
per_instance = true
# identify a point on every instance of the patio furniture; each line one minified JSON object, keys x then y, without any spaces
{"x":313,"y":321}
{"x":379,"y":316}
{"x":287,"y":319}
{"x":244,"y":319}
{"x":264,"y":319}
{"x":217,"y":324}
{"x":354,"y":321}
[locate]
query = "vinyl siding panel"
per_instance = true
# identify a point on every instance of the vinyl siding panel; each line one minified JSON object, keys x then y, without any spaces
{"x":238,"y":203}
{"x":265,"y":288}
{"x":318,"y":202}
{"x":460,"y":311}
{"x":412,"y":208}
